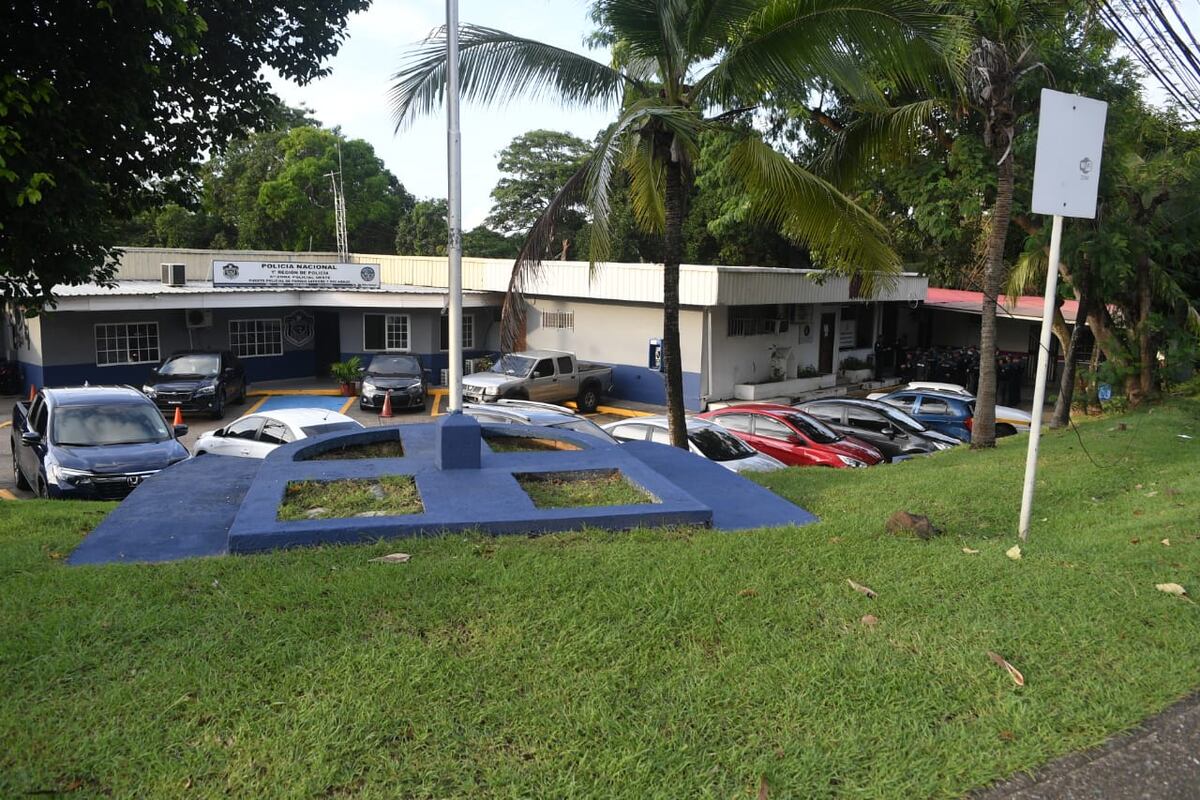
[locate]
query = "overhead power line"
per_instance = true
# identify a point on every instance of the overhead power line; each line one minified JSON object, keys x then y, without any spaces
{"x":1165,"y":47}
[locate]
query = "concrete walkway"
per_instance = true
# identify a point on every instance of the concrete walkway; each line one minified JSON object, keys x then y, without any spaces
{"x":1159,"y":760}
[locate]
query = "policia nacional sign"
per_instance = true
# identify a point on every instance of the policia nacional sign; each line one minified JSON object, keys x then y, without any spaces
{"x":302,"y":274}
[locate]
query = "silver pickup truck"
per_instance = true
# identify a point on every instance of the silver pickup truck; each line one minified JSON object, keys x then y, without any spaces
{"x":549,"y":376}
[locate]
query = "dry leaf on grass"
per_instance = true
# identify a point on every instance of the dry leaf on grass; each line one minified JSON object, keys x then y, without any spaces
{"x":1014,"y":552}
{"x":971,"y":552}
{"x":748,"y":593}
{"x":1171,"y":588}
{"x":763,"y":792}
{"x":870,"y":620}
{"x":1012,"y":671}
{"x":867,"y":590}
{"x":1166,"y":542}
{"x":392,"y":558}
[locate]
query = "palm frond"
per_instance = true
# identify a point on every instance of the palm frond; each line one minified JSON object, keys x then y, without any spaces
{"x":811,"y":212}
{"x":496,"y":67}
{"x":651,"y":29}
{"x":647,"y":184}
{"x":712,"y":24}
{"x":1028,"y":272}
{"x":906,"y":42}
{"x":889,"y":133}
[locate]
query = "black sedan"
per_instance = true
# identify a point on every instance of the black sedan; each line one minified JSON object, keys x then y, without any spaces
{"x":897,"y":435}
{"x":198,"y":380}
{"x":402,"y":375}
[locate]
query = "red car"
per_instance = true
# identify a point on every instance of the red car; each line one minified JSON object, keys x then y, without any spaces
{"x":795,"y":438}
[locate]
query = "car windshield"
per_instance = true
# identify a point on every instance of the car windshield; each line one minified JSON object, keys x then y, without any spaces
{"x":117,"y":423}
{"x":394,"y":366}
{"x":813,"y":428}
{"x":717,"y":445}
{"x":204,"y":364}
{"x":513,"y":365}
{"x":905,"y":421}
{"x":583,"y":426}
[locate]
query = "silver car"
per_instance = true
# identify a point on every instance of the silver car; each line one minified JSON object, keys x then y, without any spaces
{"x":704,"y":439}
{"x":530,"y":412}
{"x":256,"y":435}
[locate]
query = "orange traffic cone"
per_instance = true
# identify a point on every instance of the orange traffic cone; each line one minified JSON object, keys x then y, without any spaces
{"x":32,"y":392}
{"x":178,"y":416}
{"x":386,"y":411}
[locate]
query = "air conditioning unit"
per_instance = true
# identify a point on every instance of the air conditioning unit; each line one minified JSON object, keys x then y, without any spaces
{"x":774,"y":326}
{"x":445,"y":381}
{"x":197,"y":318}
{"x":472,"y":365}
{"x":174,"y":274}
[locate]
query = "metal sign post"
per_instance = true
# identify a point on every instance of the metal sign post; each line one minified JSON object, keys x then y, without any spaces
{"x":454,"y":204}
{"x":1066,"y":176}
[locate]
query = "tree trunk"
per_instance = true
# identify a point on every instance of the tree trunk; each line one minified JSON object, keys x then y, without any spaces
{"x":1066,"y":387}
{"x":672,"y":253}
{"x":1145,"y":348}
{"x":983,"y":431}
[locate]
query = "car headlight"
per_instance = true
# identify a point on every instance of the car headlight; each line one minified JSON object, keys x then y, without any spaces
{"x":368,"y":387}
{"x":943,"y":445}
{"x":492,"y":391}
{"x":149,"y":391}
{"x":206,"y":390}
{"x":73,"y":477}
{"x":851,"y":462}
{"x":414,"y":389}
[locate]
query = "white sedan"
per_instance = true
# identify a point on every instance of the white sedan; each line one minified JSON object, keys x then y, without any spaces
{"x":705,"y":439}
{"x":256,"y":435}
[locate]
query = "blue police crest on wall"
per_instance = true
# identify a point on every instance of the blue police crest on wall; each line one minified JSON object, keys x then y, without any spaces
{"x":298,"y":328}
{"x":367,"y":274}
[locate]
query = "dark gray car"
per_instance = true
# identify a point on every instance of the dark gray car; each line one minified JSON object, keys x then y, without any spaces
{"x":897,"y":435}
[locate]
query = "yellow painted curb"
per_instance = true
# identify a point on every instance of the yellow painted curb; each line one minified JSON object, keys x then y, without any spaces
{"x":5,"y":424}
{"x":615,"y":411}
{"x":437,"y":396}
{"x":294,"y":393}
{"x":5,"y":494}
{"x":258,"y":404}
{"x":346,"y":406}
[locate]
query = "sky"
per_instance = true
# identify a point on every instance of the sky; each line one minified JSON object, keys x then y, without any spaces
{"x":354,"y":94}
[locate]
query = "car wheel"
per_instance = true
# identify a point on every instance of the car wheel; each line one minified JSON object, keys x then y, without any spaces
{"x":520,"y":394}
{"x":241,"y":398}
{"x":218,"y":411}
{"x":18,"y":478}
{"x":1004,"y":429}
{"x":43,"y":491}
{"x":588,"y":400}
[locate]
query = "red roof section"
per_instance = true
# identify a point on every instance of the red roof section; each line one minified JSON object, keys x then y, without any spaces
{"x":1024,"y":307}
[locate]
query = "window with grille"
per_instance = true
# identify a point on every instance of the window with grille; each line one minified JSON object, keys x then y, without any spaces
{"x":252,"y":338}
{"x":386,"y":332}
{"x":126,"y":343}
{"x":562,"y":320}
{"x":468,"y":328}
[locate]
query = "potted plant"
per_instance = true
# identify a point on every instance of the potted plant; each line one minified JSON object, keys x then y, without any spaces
{"x":856,"y":369}
{"x":347,"y":373}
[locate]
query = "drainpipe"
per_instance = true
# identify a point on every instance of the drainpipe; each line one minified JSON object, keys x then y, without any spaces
{"x":708,"y":357}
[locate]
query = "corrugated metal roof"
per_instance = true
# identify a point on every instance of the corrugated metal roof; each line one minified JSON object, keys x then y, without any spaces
{"x":1025,"y":307}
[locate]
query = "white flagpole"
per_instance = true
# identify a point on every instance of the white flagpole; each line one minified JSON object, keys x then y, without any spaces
{"x":454,"y":203}
{"x":1043,"y":366}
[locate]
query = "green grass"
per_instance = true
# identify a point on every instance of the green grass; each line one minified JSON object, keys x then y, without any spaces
{"x":670,"y":663}
{"x":390,"y":494}
{"x":580,"y":489}
{"x":390,"y":449}
{"x":502,"y":443}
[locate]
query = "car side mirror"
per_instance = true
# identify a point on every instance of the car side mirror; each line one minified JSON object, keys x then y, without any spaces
{"x":181,"y":430}
{"x":889,"y":432}
{"x":29,"y":438}
{"x":219,"y":432}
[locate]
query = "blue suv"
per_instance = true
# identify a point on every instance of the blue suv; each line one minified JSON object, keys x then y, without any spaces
{"x":91,"y":443}
{"x":944,"y":413}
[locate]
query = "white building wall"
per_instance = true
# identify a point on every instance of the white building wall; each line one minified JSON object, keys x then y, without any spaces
{"x":618,"y":334}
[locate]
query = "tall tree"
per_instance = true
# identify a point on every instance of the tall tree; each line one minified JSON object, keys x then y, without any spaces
{"x":684,"y":68}
{"x":422,"y":230}
{"x":535,"y":166}
{"x":99,"y":100}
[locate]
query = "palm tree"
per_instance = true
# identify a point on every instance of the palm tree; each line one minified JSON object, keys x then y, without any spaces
{"x":686,"y":67}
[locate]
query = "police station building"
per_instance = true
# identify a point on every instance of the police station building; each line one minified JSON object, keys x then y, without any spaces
{"x":746,"y":332}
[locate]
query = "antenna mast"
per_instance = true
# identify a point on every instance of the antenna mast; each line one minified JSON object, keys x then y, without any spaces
{"x":339,"y":209}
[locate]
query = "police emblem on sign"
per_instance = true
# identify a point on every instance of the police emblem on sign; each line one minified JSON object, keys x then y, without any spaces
{"x":367,"y":274}
{"x":230,"y":271}
{"x":298,"y":328}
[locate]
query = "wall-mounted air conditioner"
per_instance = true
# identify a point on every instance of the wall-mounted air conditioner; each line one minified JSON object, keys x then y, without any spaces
{"x":445,"y":381}
{"x":174,"y":274}
{"x":774,"y":325}
{"x":473,"y":365}
{"x":197,"y":318}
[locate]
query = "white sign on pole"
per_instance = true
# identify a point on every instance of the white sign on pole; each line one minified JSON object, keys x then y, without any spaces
{"x":301,"y":274}
{"x":1066,"y":174}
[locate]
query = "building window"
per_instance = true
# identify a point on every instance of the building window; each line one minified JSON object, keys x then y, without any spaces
{"x":385,"y":332}
{"x":251,"y":338}
{"x":468,"y":341}
{"x":126,"y":343}
{"x":858,"y":326}
{"x":560,"y":320}
{"x":757,"y":320}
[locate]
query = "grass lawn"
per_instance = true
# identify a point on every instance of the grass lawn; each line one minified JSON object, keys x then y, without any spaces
{"x":389,"y":449}
{"x":670,"y":663}
{"x":580,"y":489}
{"x":502,"y":443}
{"x":390,"y":494}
